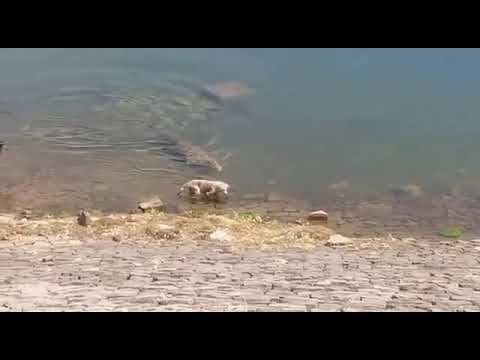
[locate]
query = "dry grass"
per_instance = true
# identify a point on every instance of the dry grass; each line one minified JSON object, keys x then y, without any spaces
{"x":246,"y":231}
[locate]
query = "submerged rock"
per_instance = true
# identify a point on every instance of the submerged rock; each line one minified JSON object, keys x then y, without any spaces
{"x":79,"y":90}
{"x":277,"y":197}
{"x":341,"y":185}
{"x":228,"y":90}
{"x":407,"y":191}
{"x":182,"y":101}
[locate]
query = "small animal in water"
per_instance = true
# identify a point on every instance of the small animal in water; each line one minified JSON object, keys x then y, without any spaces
{"x":211,"y":190}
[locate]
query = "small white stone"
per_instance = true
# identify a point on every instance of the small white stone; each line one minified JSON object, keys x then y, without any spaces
{"x":338,"y":240}
{"x":220,"y":235}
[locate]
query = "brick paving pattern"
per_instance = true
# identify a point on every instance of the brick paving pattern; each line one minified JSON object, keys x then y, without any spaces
{"x":207,"y":276}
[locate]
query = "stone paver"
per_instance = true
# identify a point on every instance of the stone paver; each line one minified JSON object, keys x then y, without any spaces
{"x":134,"y":276}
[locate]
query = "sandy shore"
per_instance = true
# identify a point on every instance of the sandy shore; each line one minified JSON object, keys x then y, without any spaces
{"x":200,"y":262}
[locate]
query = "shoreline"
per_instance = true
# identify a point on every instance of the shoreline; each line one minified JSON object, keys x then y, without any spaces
{"x":277,"y":213}
{"x":240,"y":229}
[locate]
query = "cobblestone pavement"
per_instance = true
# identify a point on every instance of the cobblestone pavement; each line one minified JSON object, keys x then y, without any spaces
{"x":136,"y":276}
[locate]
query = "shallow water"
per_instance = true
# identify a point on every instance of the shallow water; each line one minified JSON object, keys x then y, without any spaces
{"x":99,"y":127}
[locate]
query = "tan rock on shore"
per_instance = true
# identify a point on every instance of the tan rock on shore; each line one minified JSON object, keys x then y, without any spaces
{"x":318,"y":215}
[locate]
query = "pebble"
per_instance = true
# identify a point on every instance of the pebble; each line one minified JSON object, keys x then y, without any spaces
{"x":154,"y":204}
{"x":84,"y":218}
{"x":318,"y":215}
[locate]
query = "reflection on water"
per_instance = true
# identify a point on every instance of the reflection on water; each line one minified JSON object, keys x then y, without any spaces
{"x":378,"y":137}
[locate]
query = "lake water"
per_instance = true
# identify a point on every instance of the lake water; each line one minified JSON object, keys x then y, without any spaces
{"x":340,"y":129}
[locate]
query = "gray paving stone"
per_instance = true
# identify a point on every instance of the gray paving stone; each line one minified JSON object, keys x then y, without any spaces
{"x":424,"y":276}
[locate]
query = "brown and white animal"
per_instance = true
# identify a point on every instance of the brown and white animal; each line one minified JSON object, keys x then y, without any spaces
{"x":206,"y":188}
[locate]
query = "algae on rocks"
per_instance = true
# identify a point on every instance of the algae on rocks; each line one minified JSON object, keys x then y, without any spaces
{"x":451,"y":231}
